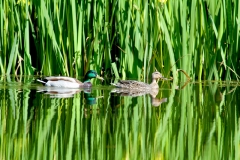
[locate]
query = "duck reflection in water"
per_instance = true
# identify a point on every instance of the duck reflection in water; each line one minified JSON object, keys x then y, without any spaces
{"x":136,"y":93}
{"x":90,"y":98}
{"x":56,"y":92}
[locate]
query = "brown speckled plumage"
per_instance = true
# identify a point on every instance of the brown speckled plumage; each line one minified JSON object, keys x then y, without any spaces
{"x":132,"y":84}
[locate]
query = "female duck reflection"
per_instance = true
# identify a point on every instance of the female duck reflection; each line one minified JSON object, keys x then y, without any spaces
{"x":136,"y":93}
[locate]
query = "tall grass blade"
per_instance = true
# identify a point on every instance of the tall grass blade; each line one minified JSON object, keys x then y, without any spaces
{"x":13,"y":55}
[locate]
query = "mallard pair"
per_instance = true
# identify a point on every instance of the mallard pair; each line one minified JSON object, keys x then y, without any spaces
{"x":68,"y":82}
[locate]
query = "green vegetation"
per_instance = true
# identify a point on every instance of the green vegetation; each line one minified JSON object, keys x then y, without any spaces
{"x":131,"y":37}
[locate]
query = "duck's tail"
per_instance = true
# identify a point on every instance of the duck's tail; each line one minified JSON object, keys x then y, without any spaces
{"x":41,"y":81}
{"x":113,"y":84}
{"x":116,"y":85}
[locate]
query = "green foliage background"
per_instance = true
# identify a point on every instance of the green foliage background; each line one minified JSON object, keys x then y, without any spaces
{"x":127,"y":38}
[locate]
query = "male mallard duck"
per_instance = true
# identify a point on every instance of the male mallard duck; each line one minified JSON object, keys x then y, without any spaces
{"x":132,"y":84}
{"x":68,"y":82}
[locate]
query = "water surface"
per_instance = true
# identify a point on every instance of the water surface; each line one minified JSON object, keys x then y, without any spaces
{"x":192,"y":121}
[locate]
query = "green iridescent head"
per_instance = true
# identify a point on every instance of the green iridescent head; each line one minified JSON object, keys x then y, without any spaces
{"x":91,"y":74}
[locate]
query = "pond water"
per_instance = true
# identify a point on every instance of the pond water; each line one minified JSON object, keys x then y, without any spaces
{"x":183,"y":121}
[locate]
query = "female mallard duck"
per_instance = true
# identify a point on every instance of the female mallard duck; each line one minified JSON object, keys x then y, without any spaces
{"x":68,"y":82}
{"x":136,"y":85}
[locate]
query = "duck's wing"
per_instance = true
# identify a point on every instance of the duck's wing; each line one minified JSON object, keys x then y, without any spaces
{"x":131,"y":84}
{"x":61,"y":81}
{"x":62,"y":78}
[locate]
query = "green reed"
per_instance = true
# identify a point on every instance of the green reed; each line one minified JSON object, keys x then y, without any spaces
{"x":69,"y":38}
